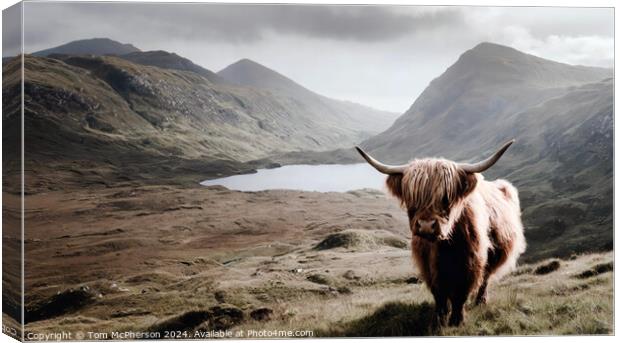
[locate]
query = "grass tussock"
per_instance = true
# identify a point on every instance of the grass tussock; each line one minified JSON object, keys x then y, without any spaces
{"x":320,"y":279}
{"x":358,"y":239}
{"x":216,"y":318}
{"x":61,"y":303}
{"x":548,"y":267}
{"x":596,"y":270}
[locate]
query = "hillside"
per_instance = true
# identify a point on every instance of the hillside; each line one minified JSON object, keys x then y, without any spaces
{"x":335,"y":113}
{"x":162,"y":113}
{"x":208,"y":257}
{"x":168,"y":60}
{"x":236,"y":122}
{"x":562,"y":119}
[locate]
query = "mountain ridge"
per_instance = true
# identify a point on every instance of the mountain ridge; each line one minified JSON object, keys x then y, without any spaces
{"x":169,"y":60}
{"x":93,"y":46}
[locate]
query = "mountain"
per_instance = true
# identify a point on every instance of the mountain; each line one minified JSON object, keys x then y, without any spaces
{"x":94,"y":46}
{"x":168,"y":60}
{"x":249,"y":73}
{"x":562,"y":119}
{"x":336,"y":113}
{"x":149,"y":115}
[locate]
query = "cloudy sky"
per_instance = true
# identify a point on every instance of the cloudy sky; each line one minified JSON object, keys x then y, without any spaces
{"x":379,"y":56}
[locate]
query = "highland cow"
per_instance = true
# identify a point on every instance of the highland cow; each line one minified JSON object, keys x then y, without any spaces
{"x":464,"y":229}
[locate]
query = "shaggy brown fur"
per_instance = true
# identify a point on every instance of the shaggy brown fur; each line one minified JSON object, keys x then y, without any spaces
{"x":475,"y":231}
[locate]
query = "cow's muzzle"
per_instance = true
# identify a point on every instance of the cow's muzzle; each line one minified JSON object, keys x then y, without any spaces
{"x":427,"y":229}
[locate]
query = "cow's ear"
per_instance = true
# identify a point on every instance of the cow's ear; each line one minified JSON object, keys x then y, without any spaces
{"x":394,"y":185}
{"x":468,"y":182}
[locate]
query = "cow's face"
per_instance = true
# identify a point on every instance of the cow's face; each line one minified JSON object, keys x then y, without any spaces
{"x":429,"y":224}
{"x":431,"y":191}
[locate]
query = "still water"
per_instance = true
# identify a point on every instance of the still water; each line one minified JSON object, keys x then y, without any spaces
{"x":320,"y":178}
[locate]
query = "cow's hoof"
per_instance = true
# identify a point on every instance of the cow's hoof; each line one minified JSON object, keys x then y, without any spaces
{"x":455,"y":320}
{"x":438,"y":322}
{"x":481,"y":301}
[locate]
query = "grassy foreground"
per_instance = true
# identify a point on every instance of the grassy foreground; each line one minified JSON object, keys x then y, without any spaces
{"x":554,"y":297}
{"x":207,"y":258}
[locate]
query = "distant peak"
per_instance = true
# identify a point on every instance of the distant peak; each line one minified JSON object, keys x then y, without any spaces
{"x":250,"y":73}
{"x":92,"y":46}
{"x":493,"y":52}
{"x":247,"y":62}
{"x":486,"y":45}
{"x":494,"y":48}
{"x":103,"y":40}
{"x":97,"y":39}
{"x":153,"y":53}
{"x":247,"y":65}
{"x":487,"y":52}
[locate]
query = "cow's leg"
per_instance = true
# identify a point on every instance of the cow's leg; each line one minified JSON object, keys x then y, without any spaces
{"x":458,"y":301}
{"x":481,"y":297}
{"x":496,"y":257}
{"x":441,"y":309}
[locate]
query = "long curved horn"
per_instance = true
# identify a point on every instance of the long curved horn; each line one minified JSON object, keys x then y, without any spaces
{"x":488,"y":163}
{"x":383,"y":168}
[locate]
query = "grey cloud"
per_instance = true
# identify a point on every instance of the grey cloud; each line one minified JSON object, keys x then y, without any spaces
{"x":233,"y":23}
{"x":545,"y":21}
{"x":367,"y":23}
